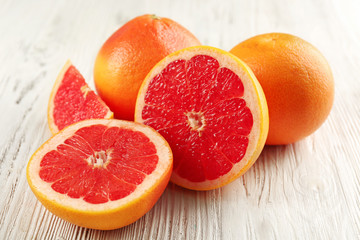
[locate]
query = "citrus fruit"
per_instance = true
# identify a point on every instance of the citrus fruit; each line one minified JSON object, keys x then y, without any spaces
{"x":101,"y":173}
{"x":297,"y":82}
{"x":212,"y":111}
{"x":72,"y":100}
{"x":129,"y":54}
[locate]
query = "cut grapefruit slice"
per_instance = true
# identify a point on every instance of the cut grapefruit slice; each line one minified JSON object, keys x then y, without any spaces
{"x":212,"y":111}
{"x":101,"y":173}
{"x":72,"y":100}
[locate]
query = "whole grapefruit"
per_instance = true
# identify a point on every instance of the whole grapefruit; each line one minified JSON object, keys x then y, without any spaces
{"x":129,"y":54}
{"x":297,"y":82}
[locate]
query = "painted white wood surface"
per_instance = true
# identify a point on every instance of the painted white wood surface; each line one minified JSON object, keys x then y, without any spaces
{"x":307,"y":190}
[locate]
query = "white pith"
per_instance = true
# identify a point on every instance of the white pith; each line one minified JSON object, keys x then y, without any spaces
{"x":163,"y":166}
{"x":99,"y":159}
{"x":195,"y":124}
{"x":251,"y":96}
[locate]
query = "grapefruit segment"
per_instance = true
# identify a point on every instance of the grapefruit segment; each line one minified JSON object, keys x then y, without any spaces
{"x":72,"y":100}
{"x":211,"y":109}
{"x":101,"y":173}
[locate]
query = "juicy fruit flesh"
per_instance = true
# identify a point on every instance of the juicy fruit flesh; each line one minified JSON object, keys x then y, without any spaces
{"x":75,"y":101}
{"x":99,"y":163}
{"x":198,"y":107}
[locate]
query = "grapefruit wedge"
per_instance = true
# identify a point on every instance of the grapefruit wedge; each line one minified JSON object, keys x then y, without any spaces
{"x":72,"y":100}
{"x":101,"y":173}
{"x":212,"y":111}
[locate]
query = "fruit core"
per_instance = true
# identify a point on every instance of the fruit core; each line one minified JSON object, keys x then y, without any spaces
{"x":100,"y":159}
{"x":196,"y":121}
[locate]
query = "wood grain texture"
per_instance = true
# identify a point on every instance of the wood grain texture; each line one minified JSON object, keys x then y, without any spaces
{"x":307,"y":190}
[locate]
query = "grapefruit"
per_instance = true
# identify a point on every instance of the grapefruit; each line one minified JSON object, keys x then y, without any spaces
{"x":212,"y":111}
{"x":297,"y":82}
{"x":101,"y":173}
{"x":129,"y":54}
{"x":72,"y":100}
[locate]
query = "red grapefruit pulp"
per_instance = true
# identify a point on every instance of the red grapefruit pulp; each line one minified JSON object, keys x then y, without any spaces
{"x":72,"y":100}
{"x":210,"y":108}
{"x":125,"y":165}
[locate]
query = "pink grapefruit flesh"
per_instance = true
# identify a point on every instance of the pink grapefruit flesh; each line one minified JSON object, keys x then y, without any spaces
{"x":111,"y":173}
{"x":72,"y":100}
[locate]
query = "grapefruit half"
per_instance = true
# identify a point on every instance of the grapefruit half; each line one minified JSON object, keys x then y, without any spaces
{"x":72,"y":100}
{"x":101,"y":173}
{"x":212,"y":111}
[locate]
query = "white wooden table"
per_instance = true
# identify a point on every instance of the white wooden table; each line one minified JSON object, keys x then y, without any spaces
{"x":307,"y":190}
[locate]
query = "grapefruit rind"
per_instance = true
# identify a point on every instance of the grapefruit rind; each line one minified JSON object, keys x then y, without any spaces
{"x":112,"y":214}
{"x":51,"y":122}
{"x":253,"y":95}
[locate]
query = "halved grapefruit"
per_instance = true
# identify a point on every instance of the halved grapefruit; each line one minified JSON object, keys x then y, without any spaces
{"x":212,"y":111}
{"x":101,"y":173}
{"x":72,"y":100}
